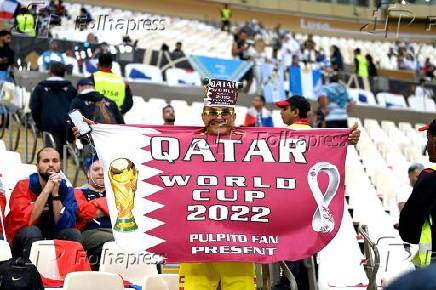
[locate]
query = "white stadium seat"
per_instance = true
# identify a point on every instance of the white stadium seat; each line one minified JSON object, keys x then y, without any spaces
{"x":133,"y":271}
{"x":162,"y":282}
{"x":43,"y":256}
{"x":93,"y":280}
{"x":362,"y":97}
{"x":391,"y":100}
{"x":5,"y":251}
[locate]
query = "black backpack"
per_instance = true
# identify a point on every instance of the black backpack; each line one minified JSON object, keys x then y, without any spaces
{"x":19,"y":274}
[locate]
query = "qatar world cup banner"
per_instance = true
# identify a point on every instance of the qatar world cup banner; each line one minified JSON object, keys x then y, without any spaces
{"x":260,"y":194}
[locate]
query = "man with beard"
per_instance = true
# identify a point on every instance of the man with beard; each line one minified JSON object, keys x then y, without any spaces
{"x":41,"y":207}
{"x":168,"y":115}
{"x":93,"y":215}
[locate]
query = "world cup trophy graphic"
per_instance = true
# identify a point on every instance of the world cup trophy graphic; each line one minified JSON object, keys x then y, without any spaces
{"x":124,"y":178}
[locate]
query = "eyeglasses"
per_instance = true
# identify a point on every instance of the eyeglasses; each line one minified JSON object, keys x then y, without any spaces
{"x":216,"y":113}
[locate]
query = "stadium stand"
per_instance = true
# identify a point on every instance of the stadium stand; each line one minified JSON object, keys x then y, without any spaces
{"x":376,"y":169}
{"x":374,"y":173}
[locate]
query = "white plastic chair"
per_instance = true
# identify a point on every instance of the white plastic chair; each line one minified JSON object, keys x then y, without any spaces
{"x":162,"y":282}
{"x":367,"y":97}
{"x":134,"y":272}
{"x":5,"y":251}
{"x":391,"y":100}
{"x":421,"y":104}
{"x":43,"y":256}
{"x":93,"y":280}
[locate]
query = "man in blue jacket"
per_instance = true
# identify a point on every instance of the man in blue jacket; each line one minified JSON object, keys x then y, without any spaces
{"x":41,"y":207}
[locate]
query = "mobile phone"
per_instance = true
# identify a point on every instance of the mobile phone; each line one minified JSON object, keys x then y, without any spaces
{"x":77,"y":119}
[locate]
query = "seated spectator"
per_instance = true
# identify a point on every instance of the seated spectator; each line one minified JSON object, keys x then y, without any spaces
{"x":41,"y":207}
{"x":93,"y":217}
{"x":94,"y":106}
{"x":50,"y":103}
{"x":257,"y":115}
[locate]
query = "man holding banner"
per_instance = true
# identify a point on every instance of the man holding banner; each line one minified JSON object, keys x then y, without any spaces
{"x":220,"y":199}
{"x":219,"y":120}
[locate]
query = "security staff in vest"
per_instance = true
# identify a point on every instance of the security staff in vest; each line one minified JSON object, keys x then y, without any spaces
{"x":112,"y":86}
{"x":418,"y":217}
{"x":25,"y":22}
{"x":226,"y":16}
{"x":361,"y":69}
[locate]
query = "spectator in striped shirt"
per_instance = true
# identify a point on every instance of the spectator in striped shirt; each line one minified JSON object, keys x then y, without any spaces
{"x":339,"y":103}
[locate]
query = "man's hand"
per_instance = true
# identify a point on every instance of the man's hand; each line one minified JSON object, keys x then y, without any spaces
{"x":55,"y":178}
{"x":49,"y":186}
{"x":354,"y":135}
{"x":76,"y":131}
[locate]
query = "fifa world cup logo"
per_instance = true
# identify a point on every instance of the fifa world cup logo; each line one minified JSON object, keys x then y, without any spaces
{"x":124,"y":178}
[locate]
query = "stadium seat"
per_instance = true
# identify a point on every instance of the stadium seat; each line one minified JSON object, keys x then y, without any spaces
{"x":133,"y":268}
{"x":43,"y":256}
{"x":421,"y":104}
{"x":362,"y":97}
{"x":143,"y":73}
{"x":177,"y":77}
{"x":391,"y":100}
{"x":5,"y":251}
{"x":93,"y":281}
{"x":162,"y":282}
{"x":9,"y":158}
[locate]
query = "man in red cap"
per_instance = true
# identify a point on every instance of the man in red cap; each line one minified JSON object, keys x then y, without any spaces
{"x":294,"y":111}
{"x":417,"y":219}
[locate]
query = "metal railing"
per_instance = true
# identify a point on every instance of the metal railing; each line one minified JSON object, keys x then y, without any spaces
{"x":372,"y":258}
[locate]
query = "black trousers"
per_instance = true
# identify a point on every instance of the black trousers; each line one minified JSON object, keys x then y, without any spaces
{"x":24,"y":238}
{"x":60,"y":140}
{"x":299,"y":270}
{"x":93,"y":241}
